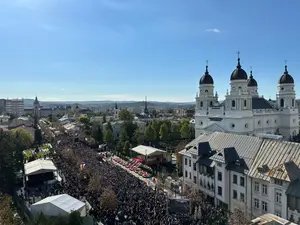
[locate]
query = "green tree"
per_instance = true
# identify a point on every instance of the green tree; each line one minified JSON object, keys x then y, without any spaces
{"x":185,"y":130}
{"x":175,"y":131}
{"x":123,"y":136}
{"x":75,"y":218}
{"x":109,"y":127}
{"x":126,"y":148}
{"x":125,"y":115}
{"x":97,"y":133}
{"x":164,"y":132}
{"x":25,"y":138}
{"x":150,"y":134}
{"x":38,"y":136}
{"x":84,"y":120}
{"x":104,"y":118}
{"x":156,"y":127}
{"x":129,"y":128}
{"x":139,"y":137}
{"x":109,"y":138}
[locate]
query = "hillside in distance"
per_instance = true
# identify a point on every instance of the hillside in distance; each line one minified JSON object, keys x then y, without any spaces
{"x":107,"y":104}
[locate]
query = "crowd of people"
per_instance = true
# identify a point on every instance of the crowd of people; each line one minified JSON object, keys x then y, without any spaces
{"x":136,"y":202}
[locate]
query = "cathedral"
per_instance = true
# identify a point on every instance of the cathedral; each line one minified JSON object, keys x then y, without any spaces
{"x":245,"y":112}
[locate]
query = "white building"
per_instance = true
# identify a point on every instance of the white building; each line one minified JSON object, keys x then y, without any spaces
{"x":256,"y":175}
{"x":14,"y":107}
{"x":243,"y":111}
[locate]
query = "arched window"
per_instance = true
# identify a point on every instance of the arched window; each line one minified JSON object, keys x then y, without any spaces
{"x":201,"y":104}
{"x":206,"y":91}
{"x":211,"y":103}
{"x":245,"y":103}
{"x":233,"y":103}
{"x":293,"y":102}
{"x":282,"y":102}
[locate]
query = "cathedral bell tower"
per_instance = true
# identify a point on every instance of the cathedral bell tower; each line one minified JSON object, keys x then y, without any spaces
{"x":36,"y":108}
{"x":206,"y":97}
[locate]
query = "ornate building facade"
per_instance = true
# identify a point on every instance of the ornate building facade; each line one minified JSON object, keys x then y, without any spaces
{"x":245,"y":112}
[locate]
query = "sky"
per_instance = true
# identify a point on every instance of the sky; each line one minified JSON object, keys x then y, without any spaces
{"x":127,"y":49}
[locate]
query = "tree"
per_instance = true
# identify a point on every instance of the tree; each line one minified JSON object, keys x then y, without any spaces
{"x":103,"y":118}
{"x":84,"y":120}
{"x":108,"y":200}
{"x":139,"y":137}
{"x":125,"y":115}
{"x":109,"y":138}
{"x":109,"y":127}
{"x":75,"y":218}
{"x":164,"y":132}
{"x":130,"y":128}
{"x":156,"y":127}
{"x":126,"y":148}
{"x":175,"y":132}
{"x":6,"y":211}
{"x":38,"y":136}
{"x":185,"y":130}
{"x":97,"y":133}
{"x":25,"y":138}
{"x":150,"y":134}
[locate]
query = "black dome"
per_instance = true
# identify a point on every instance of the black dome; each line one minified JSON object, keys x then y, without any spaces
{"x":251,"y":81}
{"x":239,"y":73}
{"x":286,"y":78}
{"x":206,"y":78}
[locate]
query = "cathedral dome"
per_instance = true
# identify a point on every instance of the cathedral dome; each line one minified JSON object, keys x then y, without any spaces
{"x":251,"y":81}
{"x":286,"y":78}
{"x":206,"y":78}
{"x":239,"y":73}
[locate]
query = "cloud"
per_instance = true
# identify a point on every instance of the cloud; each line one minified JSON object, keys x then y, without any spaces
{"x":214,"y":30}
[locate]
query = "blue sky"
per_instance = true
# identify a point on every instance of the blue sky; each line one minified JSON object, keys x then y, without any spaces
{"x":126,"y":49}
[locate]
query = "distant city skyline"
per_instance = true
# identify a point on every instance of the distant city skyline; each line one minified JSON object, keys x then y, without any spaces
{"x":123,"y":50}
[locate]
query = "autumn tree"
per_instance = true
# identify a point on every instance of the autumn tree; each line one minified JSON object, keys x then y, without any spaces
{"x":125,"y":115}
{"x":108,"y":199}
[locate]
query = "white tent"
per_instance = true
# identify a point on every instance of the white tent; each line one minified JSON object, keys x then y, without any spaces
{"x":147,"y":150}
{"x":39,"y":166}
{"x":58,"y":205}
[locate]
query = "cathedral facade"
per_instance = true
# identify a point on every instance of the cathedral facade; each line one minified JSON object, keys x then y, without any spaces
{"x":245,"y":112}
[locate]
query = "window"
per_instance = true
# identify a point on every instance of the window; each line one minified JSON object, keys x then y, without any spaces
{"x":245,"y":103}
{"x":234,"y":179}
{"x":234,"y":194}
{"x":219,"y":176}
{"x":242,"y":181}
{"x":242,"y":197}
{"x":264,"y":206}
{"x":185,"y":161}
{"x":256,"y":203}
{"x":278,"y":182}
{"x":265,"y":189}
{"x":256,"y":186}
{"x":219,"y":190}
{"x":219,"y":164}
{"x":190,"y":175}
{"x":275,"y":121}
{"x":232,"y":125}
{"x":195,"y":179}
{"x":293,"y":102}
{"x":278,"y":213}
{"x":194,"y":166}
{"x":190,"y":163}
{"x":201,"y":104}
{"x":186,"y":174}
{"x":206,"y":91}
{"x":201,"y":123}
{"x":281,"y":102}
{"x":233,"y":103}
{"x":211,"y":103}
{"x":258,"y":122}
{"x":278,"y":197}
{"x":246,"y":125}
